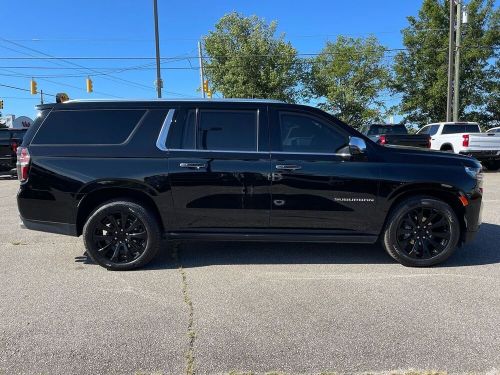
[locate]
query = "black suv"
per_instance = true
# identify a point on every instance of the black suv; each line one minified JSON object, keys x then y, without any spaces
{"x":10,"y":139}
{"x":127,"y":174}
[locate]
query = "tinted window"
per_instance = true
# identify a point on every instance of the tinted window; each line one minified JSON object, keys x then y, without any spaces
{"x":433,"y":129}
{"x":34,"y":127}
{"x":4,"y":134}
{"x":429,"y":129}
{"x":301,"y":133}
{"x":227,"y":130}
{"x":460,"y":128}
{"x":387,"y":129}
{"x":182,"y":130}
{"x":88,"y":127}
{"x":424,"y":130}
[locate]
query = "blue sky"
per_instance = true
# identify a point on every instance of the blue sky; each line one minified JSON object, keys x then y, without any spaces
{"x":113,"y":28}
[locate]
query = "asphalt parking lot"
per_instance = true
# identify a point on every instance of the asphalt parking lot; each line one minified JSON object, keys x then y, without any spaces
{"x":241,"y":307}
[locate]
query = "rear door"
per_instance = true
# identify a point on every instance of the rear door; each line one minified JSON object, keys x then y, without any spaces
{"x":219,"y":165}
{"x":315,"y":187}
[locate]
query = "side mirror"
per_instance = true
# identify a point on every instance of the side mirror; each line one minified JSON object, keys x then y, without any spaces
{"x":357,"y":146}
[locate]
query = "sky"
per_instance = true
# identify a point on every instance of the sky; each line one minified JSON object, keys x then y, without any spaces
{"x":122,"y":31}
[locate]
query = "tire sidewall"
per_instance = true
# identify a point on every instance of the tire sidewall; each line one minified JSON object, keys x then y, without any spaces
{"x":390,"y":238}
{"x":152,"y":230}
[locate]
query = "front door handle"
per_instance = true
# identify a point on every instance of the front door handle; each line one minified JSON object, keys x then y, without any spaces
{"x":192,"y":165}
{"x":288,"y":167}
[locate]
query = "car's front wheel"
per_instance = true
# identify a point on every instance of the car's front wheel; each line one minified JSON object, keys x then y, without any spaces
{"x":121,"y":235}
{"x":421,"y":231}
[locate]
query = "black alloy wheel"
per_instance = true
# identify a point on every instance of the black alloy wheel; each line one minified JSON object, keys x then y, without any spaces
{"x":121,"y":235}
{"x":421,"y":231}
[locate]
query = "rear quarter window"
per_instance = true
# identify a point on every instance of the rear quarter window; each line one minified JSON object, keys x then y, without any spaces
{"x":88,"y":127}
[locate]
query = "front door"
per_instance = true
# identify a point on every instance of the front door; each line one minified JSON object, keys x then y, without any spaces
{"x":316,"y":186}
{"x":219,"y":166}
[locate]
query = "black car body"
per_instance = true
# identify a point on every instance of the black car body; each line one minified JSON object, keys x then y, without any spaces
{"x":10,"y":139}
{"x":395,"y":134}
{"x":227,"y":170}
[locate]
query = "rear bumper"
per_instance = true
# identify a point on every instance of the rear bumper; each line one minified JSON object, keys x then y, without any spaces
{"x":483,"y":155}
{"x":49,"y":226}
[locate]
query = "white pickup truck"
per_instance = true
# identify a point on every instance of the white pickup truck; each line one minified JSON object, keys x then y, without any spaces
{"x":465,"y":138}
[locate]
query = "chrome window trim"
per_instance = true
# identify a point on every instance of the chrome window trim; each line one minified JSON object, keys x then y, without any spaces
{"x":161,"y":142}
{"x":261,"y":152}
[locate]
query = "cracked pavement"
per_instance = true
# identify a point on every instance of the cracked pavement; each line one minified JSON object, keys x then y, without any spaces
{"x":295,"y":308}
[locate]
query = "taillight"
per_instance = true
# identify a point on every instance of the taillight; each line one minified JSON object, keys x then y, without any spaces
{"x":23,"y":163}
{"x":465,"y":141}
{"x":14,"y":145}
{"x":382,"y":140}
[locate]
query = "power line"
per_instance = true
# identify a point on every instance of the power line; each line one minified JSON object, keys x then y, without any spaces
{"x":107,"y":76}
{"x":22,"y":89}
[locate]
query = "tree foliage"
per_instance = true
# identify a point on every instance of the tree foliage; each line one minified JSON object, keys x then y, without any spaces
{"x":347,"y":78}
{"x":421,"y":71}
{"x":247,"y":60}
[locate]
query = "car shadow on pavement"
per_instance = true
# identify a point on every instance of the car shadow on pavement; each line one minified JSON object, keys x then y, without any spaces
{"x":482,"y":250}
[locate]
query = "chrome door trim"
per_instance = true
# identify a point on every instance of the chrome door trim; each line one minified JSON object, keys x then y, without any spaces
{"x":161,"y":142}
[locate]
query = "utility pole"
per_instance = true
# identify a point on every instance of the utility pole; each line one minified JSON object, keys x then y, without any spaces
{"x":200,"y":60}
{"x":451,"y":57}
{"x":159,"y":83}
{"x":456,"y":81}
{"x":41,"y":96}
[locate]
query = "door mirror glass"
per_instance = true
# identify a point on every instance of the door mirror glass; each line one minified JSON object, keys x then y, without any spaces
{"x":357,"y":146}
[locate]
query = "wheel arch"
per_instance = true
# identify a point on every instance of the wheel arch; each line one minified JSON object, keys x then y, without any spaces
{"x":448,"y":195}
{"x":447,"y":147}
{"x":97,"y":197}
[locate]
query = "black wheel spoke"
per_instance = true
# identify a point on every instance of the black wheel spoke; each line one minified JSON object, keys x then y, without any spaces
{"x":444,"y":235}
{"x":114,"y":223}
{"x":414,"y":249}
{"x":141,"y":235}
{"x":123,"y":219}
{"x":105,"y":247}
{"x":135,"y":223}
{"x":410,"y":219}
{"x":440,"y":223}
{"x":104,"y":237}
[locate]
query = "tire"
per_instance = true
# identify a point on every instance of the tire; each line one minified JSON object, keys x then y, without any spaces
{"x":492,"y":165}
{"x":421,"y":232}
{"x":122,"y":235}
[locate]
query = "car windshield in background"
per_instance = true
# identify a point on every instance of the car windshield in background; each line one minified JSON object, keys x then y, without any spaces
{"x":461,"y":128}
{"x":387,"y":129}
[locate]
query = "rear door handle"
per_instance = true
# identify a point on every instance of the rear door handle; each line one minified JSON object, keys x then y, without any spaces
{"x":193,"y":165}
{"x":288,"y":167}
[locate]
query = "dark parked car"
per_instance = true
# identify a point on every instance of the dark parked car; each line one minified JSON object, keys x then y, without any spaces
{"x":10,"y":139}
{"x":130,"y":173}
{"x":395,"y":134}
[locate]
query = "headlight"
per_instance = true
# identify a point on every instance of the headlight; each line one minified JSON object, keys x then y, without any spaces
{"x":475,"y":173}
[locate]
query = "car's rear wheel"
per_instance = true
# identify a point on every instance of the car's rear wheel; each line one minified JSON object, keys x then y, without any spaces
{"x":421,"y":232}
{"x":122,"y":235}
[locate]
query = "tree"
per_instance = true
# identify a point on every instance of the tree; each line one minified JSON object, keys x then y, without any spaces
{"x":421,"y":70}
{"x":247,"y":60}
{"x":348,"y":77}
